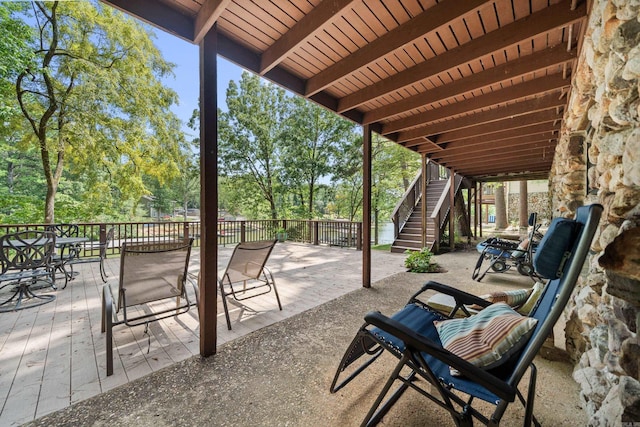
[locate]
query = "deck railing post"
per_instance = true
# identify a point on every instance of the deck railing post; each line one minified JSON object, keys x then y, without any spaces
{"x":243,"y":231}
{"x":316,"y":232}
{"x":359,"y":237}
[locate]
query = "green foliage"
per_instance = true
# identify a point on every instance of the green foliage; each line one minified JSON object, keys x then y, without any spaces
{"x":15,"y":55}
{"x":420,"y":261}
{"x":94,"y":101}
{"x":251,"y":135}
{"x":314,"y":137}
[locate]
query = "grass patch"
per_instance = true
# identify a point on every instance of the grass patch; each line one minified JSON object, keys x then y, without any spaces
{"x":385,"y":247}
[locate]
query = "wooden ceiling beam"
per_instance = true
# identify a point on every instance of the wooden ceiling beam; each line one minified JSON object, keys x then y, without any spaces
{"x":522,"y":90}
{"x":528,"y":64}
{"x":549,"y":18}
{"x":544,"y":174}
{"x":209,"y":13}
{"x":157,"y":14}
{"x":499,"y":135}
{"x":509,"y":123}
{"x":521,"y":165}
{"x":429,"y":20}
{"x":301,"y":32}
{"x":517,"y":169}
{"x":541,"y":103}
{"x":496,"y":165}
{"x":250,"y":60}
{"x":462,"y":148}
{"x":498,"y":154}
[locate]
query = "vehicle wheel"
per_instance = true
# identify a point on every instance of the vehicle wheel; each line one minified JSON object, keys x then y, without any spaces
{"x":525,"y":269}
{"x":499,"y":266}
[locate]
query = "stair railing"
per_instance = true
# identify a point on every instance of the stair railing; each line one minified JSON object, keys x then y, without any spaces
{"x":407,"y":203}
{"x":441,"y":211}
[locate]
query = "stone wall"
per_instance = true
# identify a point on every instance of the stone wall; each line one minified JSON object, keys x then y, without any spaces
{"x":598,"y":161}
{"x":537,"y":202}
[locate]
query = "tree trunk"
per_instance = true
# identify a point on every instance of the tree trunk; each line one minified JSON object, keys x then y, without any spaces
{"x":10,"y":176}
{"x":501,"y":208}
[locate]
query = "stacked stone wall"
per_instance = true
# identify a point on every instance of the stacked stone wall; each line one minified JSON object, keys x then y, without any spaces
{"x":537,"y":202}
{"x":598,"y":161}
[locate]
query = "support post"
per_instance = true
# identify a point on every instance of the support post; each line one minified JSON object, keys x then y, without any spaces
{"x":423,"y":210}
{"x":452,"y":210}
{"x":475,"y":209}
{"x":208,"y":193}
{"x":366,"y":206}
{"x":480,"y":210}
{"x":523,"y":210}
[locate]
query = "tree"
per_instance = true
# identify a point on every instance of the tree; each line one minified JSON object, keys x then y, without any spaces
{"x":314,"y":136}
{"x":348,"y":181}
{"x":15,"y":56}
{"x":250,"y":135}
{"x":93,"y":98}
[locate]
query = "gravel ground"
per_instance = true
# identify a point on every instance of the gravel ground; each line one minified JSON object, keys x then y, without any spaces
{"x":280,"y":375}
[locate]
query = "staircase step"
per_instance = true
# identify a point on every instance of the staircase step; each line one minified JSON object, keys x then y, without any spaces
{"x":402,"y":249}
{"x":408,"y":243}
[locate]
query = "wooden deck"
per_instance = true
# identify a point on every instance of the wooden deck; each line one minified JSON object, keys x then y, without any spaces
{"x":54,"y":355}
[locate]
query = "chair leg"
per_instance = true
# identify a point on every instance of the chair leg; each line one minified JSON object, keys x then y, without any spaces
{"x":107,"y":326}
{"x":374,"y":416}
{"x":224,"y":303}
{"x":273,"y":284}
{"x":103,"y":273}
{"x":531,"y":394}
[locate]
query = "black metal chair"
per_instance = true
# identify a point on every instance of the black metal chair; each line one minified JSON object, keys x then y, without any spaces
{"x":102,"y":255}
{"x":502,"y":254}
{"x":415,"y":336}
{"x":247,"y":266}
{"x":149,"y":273}
{"x":26,"y":262}
{"x":64,"y":254}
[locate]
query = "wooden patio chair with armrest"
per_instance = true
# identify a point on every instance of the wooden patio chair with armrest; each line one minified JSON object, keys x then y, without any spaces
{"x":149,"y":273}
{"x":247,"y":266}
{"x":449,"y":355}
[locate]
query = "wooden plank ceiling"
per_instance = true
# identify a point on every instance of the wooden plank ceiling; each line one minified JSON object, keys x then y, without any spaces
{"x":479,"y":86}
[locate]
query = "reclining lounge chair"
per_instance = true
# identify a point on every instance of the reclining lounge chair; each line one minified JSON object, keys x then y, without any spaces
{"x":433,"y":347}
{"x":150,"y":273}
{"x":247,"y":266}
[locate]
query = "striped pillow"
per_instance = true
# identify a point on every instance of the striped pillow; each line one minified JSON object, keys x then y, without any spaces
{"x":488,"y":338}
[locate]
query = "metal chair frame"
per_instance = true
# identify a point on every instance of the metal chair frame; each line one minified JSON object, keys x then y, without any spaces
{"x":26,"y":257}
{"x":255,"y":277}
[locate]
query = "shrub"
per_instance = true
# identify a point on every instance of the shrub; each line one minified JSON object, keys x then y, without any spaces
{"x":420,"y":261}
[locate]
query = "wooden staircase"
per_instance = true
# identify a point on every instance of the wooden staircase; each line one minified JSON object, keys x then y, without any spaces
{"x":409,"y":236}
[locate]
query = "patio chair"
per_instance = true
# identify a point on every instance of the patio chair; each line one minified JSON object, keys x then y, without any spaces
{"x":64,"y":254}
{"x":150,"y":274}
{"x":247,"y":266}
{"x":449,"y":353}
{"x":102,"y":255}
{"x":25,"y":259}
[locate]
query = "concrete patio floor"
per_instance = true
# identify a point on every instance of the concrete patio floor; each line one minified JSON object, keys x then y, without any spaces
{"x":279,"y":375}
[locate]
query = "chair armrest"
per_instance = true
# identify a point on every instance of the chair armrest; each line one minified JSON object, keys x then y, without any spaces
{"x":461,"y":297}
{"x":420,"y":343}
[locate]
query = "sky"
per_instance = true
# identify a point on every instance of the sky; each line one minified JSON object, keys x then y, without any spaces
{"x":186,"y":81}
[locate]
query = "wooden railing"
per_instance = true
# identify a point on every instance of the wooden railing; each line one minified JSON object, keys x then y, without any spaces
{"x":407,"y":203}
{"x":332,"y":233}
{"x":442,"y":209}
{"x":412,"y":196}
